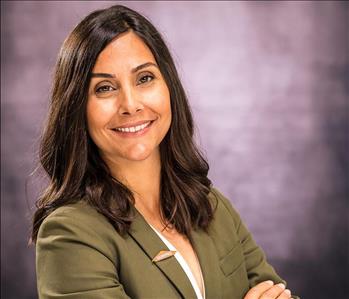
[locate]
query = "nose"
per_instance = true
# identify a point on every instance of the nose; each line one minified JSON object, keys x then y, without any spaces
{"x":130,"y":102}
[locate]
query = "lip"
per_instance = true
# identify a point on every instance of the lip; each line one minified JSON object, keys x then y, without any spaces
{"x":134,"y":124}
{"x":133,"y":134}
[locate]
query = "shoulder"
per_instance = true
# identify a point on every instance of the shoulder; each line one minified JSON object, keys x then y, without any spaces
{"x":223,"y":207}
{"x":78,"y":215}
{"x":77,"y":223}
{"x":77,"y":255}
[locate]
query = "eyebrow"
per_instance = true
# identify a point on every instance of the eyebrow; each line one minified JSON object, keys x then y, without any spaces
{"x":137,"y":68}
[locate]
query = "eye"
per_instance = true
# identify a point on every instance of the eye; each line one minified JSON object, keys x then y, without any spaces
{"x":104,"y":89}
{"x":145,"y":79}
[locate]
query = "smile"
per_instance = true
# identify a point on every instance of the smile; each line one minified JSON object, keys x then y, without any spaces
{"x":134,"y":129}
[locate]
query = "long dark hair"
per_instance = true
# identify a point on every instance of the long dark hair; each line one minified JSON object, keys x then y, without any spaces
{"x":71,"y":159}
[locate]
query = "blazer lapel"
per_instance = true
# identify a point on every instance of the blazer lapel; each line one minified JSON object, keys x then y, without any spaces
{"x":209,"y":262}
{"x":151,"y":244}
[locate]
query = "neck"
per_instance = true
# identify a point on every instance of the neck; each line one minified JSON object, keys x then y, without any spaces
{"x":142,"y":178}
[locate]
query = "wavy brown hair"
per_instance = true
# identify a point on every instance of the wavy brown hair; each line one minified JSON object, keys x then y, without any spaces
{"x":71,"y":159}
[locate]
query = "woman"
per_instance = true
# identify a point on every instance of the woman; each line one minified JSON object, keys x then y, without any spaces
{"x":129,"y":211}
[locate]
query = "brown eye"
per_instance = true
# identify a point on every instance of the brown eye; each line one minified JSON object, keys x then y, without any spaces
{"x":104,"y":89}
{"x":145,"y":79}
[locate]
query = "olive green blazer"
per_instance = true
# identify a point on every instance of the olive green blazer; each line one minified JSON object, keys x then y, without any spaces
{"x":80,"y":255}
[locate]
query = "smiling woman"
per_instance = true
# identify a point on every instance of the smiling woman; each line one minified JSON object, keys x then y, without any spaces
{"x":129,"y":211}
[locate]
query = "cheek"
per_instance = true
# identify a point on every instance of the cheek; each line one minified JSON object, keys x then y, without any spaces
{"x":159,"y":101}
{"x":98,"y":113}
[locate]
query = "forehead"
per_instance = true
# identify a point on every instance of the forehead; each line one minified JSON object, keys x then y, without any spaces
{"x":123,"y":53}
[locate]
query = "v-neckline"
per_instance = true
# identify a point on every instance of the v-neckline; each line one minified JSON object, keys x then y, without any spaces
{"x":180,"y":258}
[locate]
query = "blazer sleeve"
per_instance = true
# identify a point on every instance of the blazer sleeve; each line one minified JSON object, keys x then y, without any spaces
{"x":258,"y":269}
{"x":73,"y":258}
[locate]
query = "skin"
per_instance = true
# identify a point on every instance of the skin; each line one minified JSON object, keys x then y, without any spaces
{"x":267,"y":290}
{"x":122,"y":97}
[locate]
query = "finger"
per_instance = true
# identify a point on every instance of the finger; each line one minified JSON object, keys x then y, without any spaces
{"x":285,"y":295}
{"x":259,"y":289}
{"x":274,"y":292}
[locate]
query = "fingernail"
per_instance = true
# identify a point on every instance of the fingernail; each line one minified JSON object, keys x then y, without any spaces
{"x":288,"y":292}
{"x":270,"y":282}
{"x":281,"y":285}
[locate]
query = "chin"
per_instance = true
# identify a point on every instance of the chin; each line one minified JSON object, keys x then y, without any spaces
{"x":140,"y":153}
{"x":139,"y":157}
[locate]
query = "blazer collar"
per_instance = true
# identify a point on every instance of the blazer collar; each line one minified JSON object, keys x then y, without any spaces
{"x":203,"y":245}
{"x":151,"y":244}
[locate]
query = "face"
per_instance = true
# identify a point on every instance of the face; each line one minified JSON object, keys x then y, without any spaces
{"x":128,"y":107}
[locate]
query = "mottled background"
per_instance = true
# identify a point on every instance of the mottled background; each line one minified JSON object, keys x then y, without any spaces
{"x":268,"y":84}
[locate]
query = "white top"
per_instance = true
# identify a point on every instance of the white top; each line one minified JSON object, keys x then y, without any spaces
{"x":184,"y":265}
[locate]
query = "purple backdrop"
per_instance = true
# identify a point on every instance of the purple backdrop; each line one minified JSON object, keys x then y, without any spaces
{"x":268,"y":84}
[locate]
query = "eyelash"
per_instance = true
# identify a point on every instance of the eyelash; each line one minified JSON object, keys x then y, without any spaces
{"x":109,"y":88}
{"x":147,"y":76}
{"x":101,"y":89}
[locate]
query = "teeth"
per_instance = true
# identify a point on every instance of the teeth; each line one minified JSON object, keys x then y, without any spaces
{"x":133,"y":129}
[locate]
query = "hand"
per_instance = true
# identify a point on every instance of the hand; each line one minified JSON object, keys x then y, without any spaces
{"x":267,"y":290}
